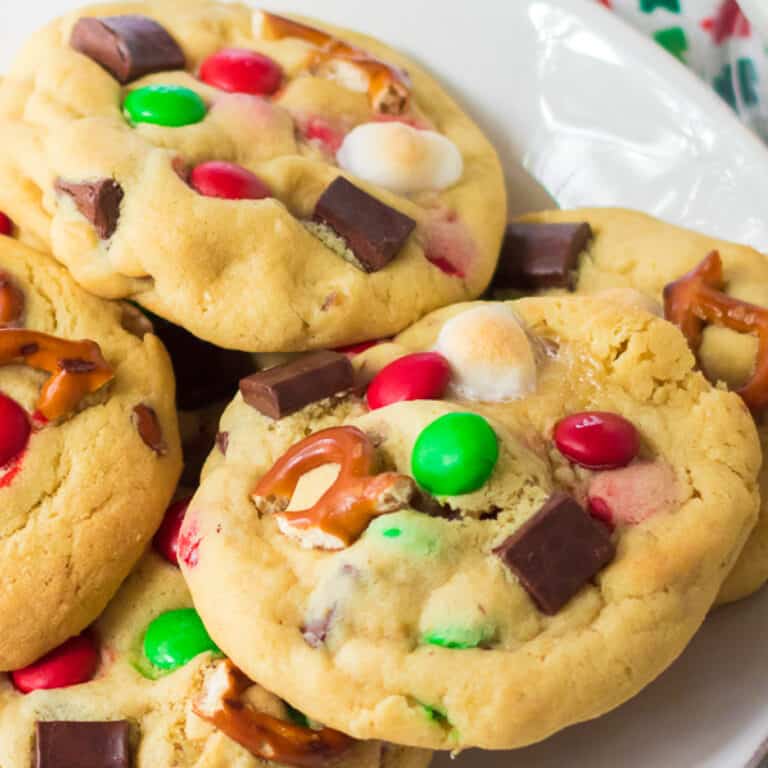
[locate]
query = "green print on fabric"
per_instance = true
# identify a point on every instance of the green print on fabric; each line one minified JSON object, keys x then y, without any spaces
{"x":674,"y":40}
{"x":747,"y":75}
{"x":649,"y":6}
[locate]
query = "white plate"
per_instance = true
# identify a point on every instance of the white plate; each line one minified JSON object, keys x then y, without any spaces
{"x":599,"y":116}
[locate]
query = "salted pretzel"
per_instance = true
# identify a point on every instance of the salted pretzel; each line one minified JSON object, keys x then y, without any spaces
{"x":388,"y":87}
{"x":698,"y":298}
{"x":348,"y":506}
{"x":77,"y":368}
{"x":270,"y":738}
{"x":11,"y":302}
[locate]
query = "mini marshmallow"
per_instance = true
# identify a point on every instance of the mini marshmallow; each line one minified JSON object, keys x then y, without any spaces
{"x":491,"y":356}
{"x":400,"y":158}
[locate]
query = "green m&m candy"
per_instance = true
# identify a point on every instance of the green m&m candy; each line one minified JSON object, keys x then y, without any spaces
{"x":170,"y":105}
{"x":174,"y":638}
{"x":459,"y":637}
{"x":455,"y":454}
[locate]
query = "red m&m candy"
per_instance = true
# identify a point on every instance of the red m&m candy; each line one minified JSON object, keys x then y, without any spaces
{"x":421,"y":376}
{"x":166,"y":541}
{"x":14,"y":429}
{"x":227,"y":180}
{"x":240,"y":71}
{"x":597,"y":440}
{"x":6,"y":226}
{"x":72,"y":663}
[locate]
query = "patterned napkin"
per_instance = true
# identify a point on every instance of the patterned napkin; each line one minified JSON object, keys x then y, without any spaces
{"x":716,"y":40}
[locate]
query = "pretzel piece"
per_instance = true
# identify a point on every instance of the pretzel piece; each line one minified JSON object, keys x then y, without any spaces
{"x":698,"y":298}
{"x":357,"y":495}
{"x":77,"y":368}
{"x":267,"y":737}
{"x":388,"y":87}
{"x":11,"y":302}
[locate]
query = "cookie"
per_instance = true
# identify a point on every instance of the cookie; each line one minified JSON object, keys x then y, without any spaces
{"x":507,"y":521}
{"x":267,"y":185}
{"x":133,"y":713}
{"x":89,"y":451}
{"x":632,"y":257}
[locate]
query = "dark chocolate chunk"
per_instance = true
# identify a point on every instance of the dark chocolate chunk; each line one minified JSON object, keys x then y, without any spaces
{"x":148,"y":426}
{"x":83,"y":745}
{"x":427,"y":504}
{"x":99,"y":201}
{"x":134,"y":320}
{"x":205,"y":373}
{"x":128,"y":47}
{"x":556,"y":552}
{"x":74,"y":365}
{"x":222,"y":442}
{"x":538,"y":256}
{"x":285,"y":389}
{"x":373,"y":231}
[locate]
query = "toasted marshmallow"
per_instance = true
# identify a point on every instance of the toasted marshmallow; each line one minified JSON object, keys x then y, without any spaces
{"x":400,"y":158}
{"x":490,"y":354}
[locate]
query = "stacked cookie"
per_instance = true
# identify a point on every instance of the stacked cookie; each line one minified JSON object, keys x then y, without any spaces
{"x":406,"y":520}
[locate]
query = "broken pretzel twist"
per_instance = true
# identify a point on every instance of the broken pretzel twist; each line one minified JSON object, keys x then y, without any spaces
{"x":355,"y":498}
{"x":270,"y":738}
{"x":698,"y":298}
{"x":388,"y":87}
{"x":77,"y":368}
{"x":11,"y":302}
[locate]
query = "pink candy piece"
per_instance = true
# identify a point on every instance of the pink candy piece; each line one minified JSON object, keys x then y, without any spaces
{"x":356,"y":349}
{"x":449,"y":245}
{"x":166,"y":541}
{"x":227,"y":180}
{"x":241,"y":71}
{"x":321,"y":132}
{"x":421,"y":376}
{"x":597,"y":440}
{"x":632,"y":494}
{"x":72,"y":663}
{"x":6,"y":225}
{"x":14,"y":430}
{"x":188,"y":547}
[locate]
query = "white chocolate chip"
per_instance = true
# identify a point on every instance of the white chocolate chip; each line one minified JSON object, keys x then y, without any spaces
{"x":400,"y":158}
{"x":490,"y":354}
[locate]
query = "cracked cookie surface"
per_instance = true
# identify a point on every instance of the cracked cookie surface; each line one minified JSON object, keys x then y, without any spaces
{"x":631,"y":250}
{"x":248,"y":274}
{"x":418,"y":629}
{"x":83,"y":494}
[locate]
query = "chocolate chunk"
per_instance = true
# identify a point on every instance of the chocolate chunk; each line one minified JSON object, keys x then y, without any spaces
{"x":128,"y":47}
{"x":99,"y":201}
{"x":73,"y":365}
{"x":222,"y":442}
{"x":205,"y":373}
{"x":556,"y":552}
{"x":148,"y":426}
{"x":134,"y":320}
{"x":373,"y":231}
{"x":285,"y":389}
{"x":538,"y":256}
{"x":83,"y":745}
{"x":427,"y":504}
